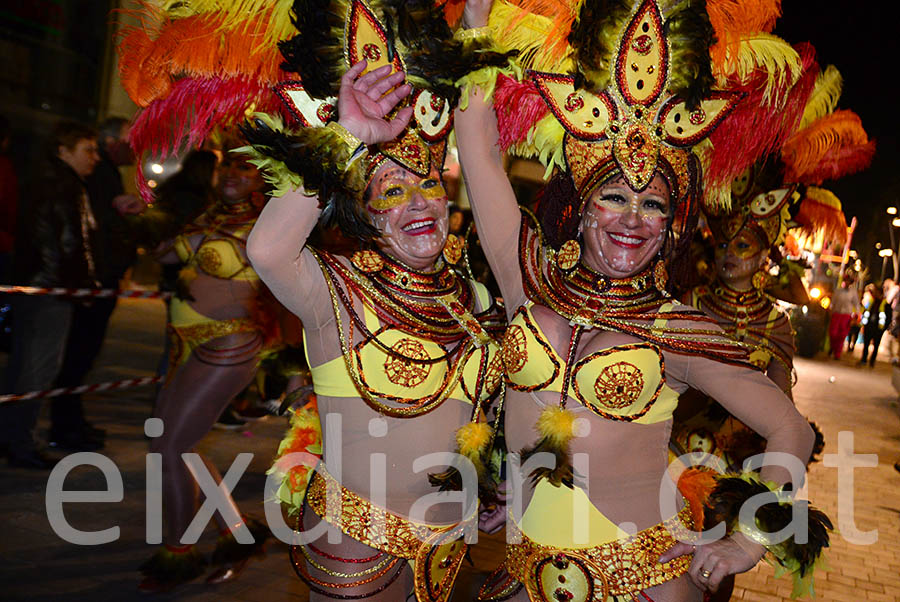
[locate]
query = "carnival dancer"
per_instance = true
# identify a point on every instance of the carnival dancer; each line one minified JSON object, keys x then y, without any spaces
{"x":194,"y":69}
{"x":775,"y":195}
{"x":401,"y":348}
{"x":218,"y":332}
{"x":597,"y":353}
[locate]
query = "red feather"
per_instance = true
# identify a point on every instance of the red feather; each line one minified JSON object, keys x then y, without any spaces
{"x":192,"y":111}
{"x":752,"y":131}
{"x":519,"y":108}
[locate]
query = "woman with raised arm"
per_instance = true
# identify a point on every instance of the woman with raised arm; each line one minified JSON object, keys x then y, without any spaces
{"x":597,"y":352}
{"x":400,"y":347}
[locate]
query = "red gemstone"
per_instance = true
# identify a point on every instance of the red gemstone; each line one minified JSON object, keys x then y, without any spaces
{"x":574,"y":102}
{"x":372,"y":52}
{"x":642,"y":44}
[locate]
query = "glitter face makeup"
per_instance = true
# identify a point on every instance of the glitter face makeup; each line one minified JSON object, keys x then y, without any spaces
{"x":411,"y":214}
{"x":741,"y":257}
{"x":623,"y":230}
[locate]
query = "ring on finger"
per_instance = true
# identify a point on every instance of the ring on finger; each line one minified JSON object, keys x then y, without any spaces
{"x":705,"y":573}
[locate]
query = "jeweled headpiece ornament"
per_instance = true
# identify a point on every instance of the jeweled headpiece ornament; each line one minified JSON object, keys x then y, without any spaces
{"x":630,"y":88}
{"x":333,"y":35}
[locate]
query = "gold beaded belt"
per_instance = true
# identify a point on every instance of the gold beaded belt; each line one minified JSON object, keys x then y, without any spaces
{"x":436,"y":552}
{"x":617,"y":568}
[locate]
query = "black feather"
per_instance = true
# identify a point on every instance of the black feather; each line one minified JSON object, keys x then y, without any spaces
{"x":593,"y":36}
{"x":731,"y":493}
{"x":319,"y":156}
{"x":316,"y":53}
{"x":690,"y":35}
{"x":562,"y":472}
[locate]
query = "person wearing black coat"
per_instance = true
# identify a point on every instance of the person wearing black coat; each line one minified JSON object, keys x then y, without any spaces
{"x":55,"y":247}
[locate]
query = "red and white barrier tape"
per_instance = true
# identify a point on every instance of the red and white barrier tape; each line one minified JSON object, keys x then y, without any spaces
{"x":110,"y":386}
{"x":84,"y":292}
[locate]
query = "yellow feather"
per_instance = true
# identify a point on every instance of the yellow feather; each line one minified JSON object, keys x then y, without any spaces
{"x":825,"y":96}
{"x":239,"y":11}
{"x":766,"y":52}
{"x":823,"y":196}
{"x":532,"y":35}
{"x":473,"y":438}
{"x":558,"y":425}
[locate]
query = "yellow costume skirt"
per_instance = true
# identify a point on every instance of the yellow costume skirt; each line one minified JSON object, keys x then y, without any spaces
{"x":435,"y":552}
{"x":189,"y":329}
{"x":612,"y":563}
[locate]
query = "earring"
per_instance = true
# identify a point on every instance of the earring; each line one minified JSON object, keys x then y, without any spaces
{"x":453,"y":249}
{"x":569,"y":255}
{"x":760,"y":280}
{"x":367,"y":261}
{"x":660,"y":277}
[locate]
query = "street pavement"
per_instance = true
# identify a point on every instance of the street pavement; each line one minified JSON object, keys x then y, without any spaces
{"x":37,"y":565}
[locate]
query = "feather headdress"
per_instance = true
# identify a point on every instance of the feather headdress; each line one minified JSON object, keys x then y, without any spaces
{"x":194,"y":67}
{"x":825,"y":145}
{"x":632,"y":86}
{"x":330,"y":37}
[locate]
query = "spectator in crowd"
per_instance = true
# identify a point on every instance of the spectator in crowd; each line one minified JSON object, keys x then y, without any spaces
{"x":892,"y":296}
{"x":876,"y":318}
{"x":844,"y":303}
{"x":55,"y":247}
{"x":114,"y":253}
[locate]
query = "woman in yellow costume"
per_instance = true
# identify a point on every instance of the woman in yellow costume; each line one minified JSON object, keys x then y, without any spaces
{"x":190,"y":69}
{"x":617,"y":97}
{"x":401,"y":348}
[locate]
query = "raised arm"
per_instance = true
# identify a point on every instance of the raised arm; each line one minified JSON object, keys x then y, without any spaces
{"x":494,"y":204}
{"x":276,"y":244}
{"x":276,"y":250}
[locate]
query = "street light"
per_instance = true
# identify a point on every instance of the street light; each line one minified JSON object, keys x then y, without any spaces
{"x":884,"y":254}
{"x":892,"y":211}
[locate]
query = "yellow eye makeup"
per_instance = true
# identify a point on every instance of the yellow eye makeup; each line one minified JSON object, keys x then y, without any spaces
{"x":398,"y":194}
{"x":642,"y":206}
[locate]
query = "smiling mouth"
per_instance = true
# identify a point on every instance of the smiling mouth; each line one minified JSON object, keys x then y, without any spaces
{"x":419,"y":227}
{"x":624,"y":240}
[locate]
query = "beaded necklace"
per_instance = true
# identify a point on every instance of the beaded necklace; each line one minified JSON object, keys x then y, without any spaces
{"x":750,"y":317}
{"x":434,"y":305}
{"x":630,"y":305}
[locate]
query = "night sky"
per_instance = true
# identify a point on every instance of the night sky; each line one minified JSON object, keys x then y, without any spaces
{"x":863,"y":44}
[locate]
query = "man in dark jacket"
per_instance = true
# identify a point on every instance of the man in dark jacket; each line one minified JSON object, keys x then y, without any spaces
{"x":55,"y":246}
{"x":115,"y":252}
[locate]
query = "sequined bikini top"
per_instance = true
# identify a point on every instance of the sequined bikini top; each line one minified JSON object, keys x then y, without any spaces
{"x":413,"y":355}
{"x":221,"y":252}
{"x":625,"y":382}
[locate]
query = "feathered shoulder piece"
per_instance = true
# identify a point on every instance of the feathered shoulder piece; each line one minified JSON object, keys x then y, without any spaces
{"x":627,"y":86}
{"x":331,"y":36}
{"x":196,"y":66}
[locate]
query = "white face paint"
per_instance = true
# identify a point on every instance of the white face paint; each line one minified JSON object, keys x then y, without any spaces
{"x":623,"y":230}
{"x":411,"y":213}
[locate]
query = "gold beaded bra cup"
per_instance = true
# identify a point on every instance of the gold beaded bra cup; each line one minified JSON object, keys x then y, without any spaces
{"x":433,"y":309}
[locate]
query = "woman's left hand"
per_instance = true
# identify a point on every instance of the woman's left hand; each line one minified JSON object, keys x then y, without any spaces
{"x":714,"y":561}
{"x":364,"y":103}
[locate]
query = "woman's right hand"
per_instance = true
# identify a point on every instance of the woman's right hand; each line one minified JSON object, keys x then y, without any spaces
{"x":364,"y":103}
